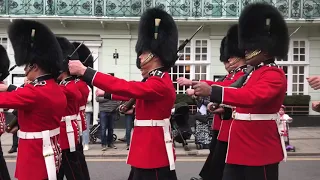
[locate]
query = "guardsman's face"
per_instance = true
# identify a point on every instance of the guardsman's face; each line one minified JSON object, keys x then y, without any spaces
{"x":145,"y":68}
{"x":227,"y":66}
{"x":29,"y":72}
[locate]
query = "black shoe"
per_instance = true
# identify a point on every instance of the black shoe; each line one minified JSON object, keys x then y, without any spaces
{"x":112,"y":146}
{"x":12,"y":150}
{"x":122,"y":139}
{"x":128,"y":146}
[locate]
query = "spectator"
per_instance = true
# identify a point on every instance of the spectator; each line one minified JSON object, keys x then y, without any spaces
{"x":129,"y":117}
{"x":108,"y":113}
{"x":88,"y":119}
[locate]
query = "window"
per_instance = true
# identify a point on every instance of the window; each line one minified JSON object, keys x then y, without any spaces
{"x":193,"y":63}
{"x":4,"y":41}
{"x":296,"y":67}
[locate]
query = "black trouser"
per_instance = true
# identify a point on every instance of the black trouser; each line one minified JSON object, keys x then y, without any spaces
{"x":4,"y":173}
{"x":82,"y":160}
{"x":215,"y":166}
{"x":70,"y":166}
{"x":240,"y":172}
{"x":206,"y":167}
{"x":152,"y":174}
{"x":15,"y":140}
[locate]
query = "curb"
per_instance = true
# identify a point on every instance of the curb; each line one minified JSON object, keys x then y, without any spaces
{"x":191,"y":154}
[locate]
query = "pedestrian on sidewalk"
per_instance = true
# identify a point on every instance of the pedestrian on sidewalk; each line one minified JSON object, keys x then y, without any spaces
{"x":129,"y":117}
{"x":108,"y":113}
{"x":89,"y":112}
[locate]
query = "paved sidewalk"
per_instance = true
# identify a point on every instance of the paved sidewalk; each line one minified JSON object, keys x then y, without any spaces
{"x":306,"y":140}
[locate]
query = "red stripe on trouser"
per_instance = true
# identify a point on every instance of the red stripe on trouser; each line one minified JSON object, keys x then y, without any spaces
{"x":265,"y":172}
{"x":157,"y":174}
{"x":70,"y":166}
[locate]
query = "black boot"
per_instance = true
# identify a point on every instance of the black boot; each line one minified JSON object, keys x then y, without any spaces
{"x":194,"y":178}
{"x":12,"y":150}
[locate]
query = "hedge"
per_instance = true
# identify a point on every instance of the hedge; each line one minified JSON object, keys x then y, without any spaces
{"x":298,"y":100}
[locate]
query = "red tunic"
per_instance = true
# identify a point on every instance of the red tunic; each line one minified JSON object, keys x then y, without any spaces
{"x":71,"y":91}
{"x":154,"y":100}
{"x":40,"y":108}
{"x":83,"y":88}
{"x":255,"y":143}
{"x":225,"y":124}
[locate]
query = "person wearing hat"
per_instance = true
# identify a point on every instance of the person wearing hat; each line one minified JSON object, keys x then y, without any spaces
{"x":4,"y":72}
{"x":263,"y":34}
{"x":151,"y":153}
{"x":40,"y":103}
{"x":69,"y":135}
{"x":235,"y":58}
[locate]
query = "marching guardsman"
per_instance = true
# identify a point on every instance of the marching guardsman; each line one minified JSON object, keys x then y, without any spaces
{"x":69,"y":135}
{"x":151,"y":151}
{"x":4,"y":72}
{"x":40,"y":103}
{"x":263,"y":34}
{"x":87,"y":59}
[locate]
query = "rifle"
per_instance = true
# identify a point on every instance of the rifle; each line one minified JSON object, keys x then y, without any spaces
{"x":129,"y":104}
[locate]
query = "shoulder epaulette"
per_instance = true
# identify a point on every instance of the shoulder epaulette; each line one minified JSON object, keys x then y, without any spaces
{"x":64,"y":82}
{"x":157,"y":73}
{"x":38,"y":83}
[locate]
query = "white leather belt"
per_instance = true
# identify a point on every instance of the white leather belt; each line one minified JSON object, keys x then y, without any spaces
{"x":70,"y":131}
{"x":82,"y":108}
{"x":265,"y":117}
{"x":254,"y":117}
{"x":167,"y":135}
{"x":47,"y":149}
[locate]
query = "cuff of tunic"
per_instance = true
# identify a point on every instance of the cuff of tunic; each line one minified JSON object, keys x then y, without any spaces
{"x":227,"y":115}
{"x":107,"y":96}
{"x":89,"y":75}
{"x":11,"y":88}
{"x":217,"y":94}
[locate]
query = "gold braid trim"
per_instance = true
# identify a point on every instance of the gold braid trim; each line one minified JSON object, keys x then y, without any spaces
{"x":253,"y":54}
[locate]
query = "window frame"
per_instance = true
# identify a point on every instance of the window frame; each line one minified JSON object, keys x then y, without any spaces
{"x":290,"y":64}
{"x":193,"y":63}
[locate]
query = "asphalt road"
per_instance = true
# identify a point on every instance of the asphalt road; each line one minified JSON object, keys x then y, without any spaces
{"x":298,"y":168}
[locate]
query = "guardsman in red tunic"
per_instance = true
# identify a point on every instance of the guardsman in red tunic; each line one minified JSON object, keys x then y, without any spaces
{"x":151,"y":152}
{"x":4,"y":72}
{"x":256,"y":146}
{"x":40,"y":103}
{"x":86,"y":58}
{"x":69,"y":135}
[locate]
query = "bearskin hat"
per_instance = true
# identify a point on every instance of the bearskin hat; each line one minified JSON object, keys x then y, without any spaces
{"x":262,"y":27}
{"x":4,"y":63}
{"x":67,"y":50}
{"x":231,"y":43}
{"x":83,"y":53}
{"x":223,"y":58}
{"x":165,"y":46}
{"x":34,"y":43}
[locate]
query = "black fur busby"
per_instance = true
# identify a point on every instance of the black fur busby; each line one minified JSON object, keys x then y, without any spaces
{"x":67,"y":50}
{"x":4,"y":63}
{"x":223,"y":57}
{"x":34,"y":43}
{"x":165,"y":46}
{"x":83,"y":53}
{"x":262,"y":27}
{"x":231,"y":43}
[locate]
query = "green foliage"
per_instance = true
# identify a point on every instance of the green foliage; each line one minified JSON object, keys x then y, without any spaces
{"x":184,"y":98}
{"x":298,"y":100}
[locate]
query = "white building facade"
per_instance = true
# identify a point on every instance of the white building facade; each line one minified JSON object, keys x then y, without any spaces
{"x":107,"y":27}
